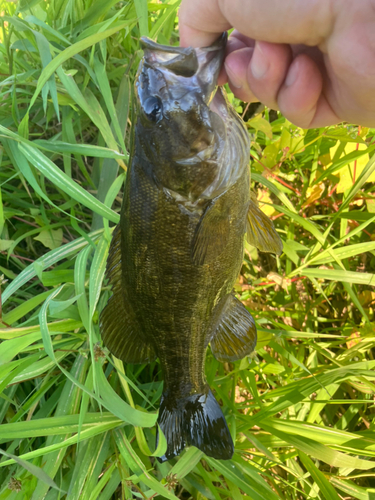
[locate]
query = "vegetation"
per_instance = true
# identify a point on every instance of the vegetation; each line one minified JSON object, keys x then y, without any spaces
{"x":77,"y":423}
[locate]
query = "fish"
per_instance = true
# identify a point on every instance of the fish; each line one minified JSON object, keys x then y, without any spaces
{"x":178,"y":249}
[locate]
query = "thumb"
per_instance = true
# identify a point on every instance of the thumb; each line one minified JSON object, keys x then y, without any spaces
{"x":285,"y":21}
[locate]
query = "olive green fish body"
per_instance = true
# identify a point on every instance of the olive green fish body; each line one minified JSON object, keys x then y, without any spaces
{"x":178,"y":248}
{"x":176,"y":300}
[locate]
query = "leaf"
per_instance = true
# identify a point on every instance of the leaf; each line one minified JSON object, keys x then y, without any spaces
{"x":142,"y":13}
{"x":269,"y":156}
{"x":346,"y":173}
{"x":50,"y":85}
{"x":136,"y":465}
{"x":260,"y":124}
{"x":291,"y":138}
{"x":307,"y":224}
{"x":187,"y":462}
{"x":90,"y":105}
{"x":11,"y":348}
{"x":265,"y":202}
{"x":346,"y":252}
{"x":257,"y":489}
{"x":319,"y":478}
{"x":51,"y":239}
{"x":81,"y":149}
{"x":70,"y":52}
{"x":370,"y":203}
{"x":24,"y":308}
{"x":336,"y":275}
{"x":313,"y":193}
{"x":45,"y":261}
{"x":46,"y":27}
{"x":273,"y":186}
{"x":50,"y":170}
{"x":120,"y":408}
{"x":311,"y":447}
{"x":97,"y":271}
{"x":23,"y":44}
{"x":352,"y":490}
{"x":34,"y":470}
{"x":57,"y":425}
{"x":365,"y":175}
{"x":5,"y":244}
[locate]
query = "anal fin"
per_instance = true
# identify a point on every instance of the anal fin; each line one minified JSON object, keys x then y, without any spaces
{"x":261,"y":232}
{"x":118,"y":325}
{"x":236,"y":335}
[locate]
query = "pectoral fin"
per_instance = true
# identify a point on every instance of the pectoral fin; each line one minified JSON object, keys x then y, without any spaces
{"x":261,"y":232}
{"x":119,"y":328}
{"x":236,"y":335}
{"x":212,"y":232}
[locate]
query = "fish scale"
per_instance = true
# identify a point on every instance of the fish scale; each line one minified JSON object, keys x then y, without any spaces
{"x":187,"y":206}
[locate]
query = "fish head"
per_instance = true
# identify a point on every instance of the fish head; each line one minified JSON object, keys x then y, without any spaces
{"x":175,"y":125}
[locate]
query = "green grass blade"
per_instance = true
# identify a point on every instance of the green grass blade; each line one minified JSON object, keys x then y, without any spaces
{"x":70,"y":52}
{"x":49,"y":169}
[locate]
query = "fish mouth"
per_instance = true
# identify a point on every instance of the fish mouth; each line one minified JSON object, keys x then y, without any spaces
{"x":183,"y":61}
{"x":199,"y":64}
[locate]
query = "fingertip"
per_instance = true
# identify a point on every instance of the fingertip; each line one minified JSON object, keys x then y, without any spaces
{"x":200,"y":23}
{"x":238,"y":41}
{"x":223,"y":77}
{"x":299,"y":96}
{"x":191,"y":37}
{"x":236,"y":64}
{"x":267,"y":70}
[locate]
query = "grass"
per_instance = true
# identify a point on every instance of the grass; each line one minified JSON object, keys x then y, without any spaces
{"x":76,"y":422}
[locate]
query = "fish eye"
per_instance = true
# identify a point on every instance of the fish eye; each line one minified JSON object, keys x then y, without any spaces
{"x":153,"y":108}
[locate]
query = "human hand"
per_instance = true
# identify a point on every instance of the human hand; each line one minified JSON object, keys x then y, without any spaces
{"x":313,"y":60}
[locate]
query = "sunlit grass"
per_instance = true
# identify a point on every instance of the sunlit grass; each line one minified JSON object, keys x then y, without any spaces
{"x":301,"y":409}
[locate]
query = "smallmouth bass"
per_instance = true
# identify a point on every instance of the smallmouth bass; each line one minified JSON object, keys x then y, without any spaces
{"x":178,"y":249}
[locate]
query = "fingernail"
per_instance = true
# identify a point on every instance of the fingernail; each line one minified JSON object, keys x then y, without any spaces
{"x":233,"y":78}
{"x":259,"y":62}
{"x":292,"y":74}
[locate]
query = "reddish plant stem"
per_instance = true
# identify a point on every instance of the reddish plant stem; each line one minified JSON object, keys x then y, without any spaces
{"x":274,"y":217}
{"x":25,"y":221}
{"x":273,"y":282}
{"x":19,"y":257}
{"x":269,"y":172}
{"x":364,"y":230}
{"x":332,"y":190}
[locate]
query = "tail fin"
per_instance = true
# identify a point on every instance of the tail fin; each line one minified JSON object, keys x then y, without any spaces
{"x":196,"y":420}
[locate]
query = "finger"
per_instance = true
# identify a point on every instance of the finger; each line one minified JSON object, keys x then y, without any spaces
{"x":236,"y":41}
{"x":289,"y":21}
{"x":301,"y":98}
{"x":236,"y":64}
{"x":267,"y":71}
{"x":196,"y":34}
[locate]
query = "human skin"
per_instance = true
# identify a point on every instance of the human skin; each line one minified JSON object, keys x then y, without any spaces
{"x":313,"y":60}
